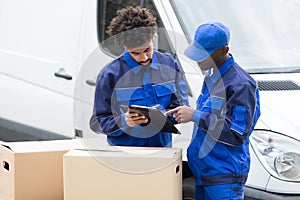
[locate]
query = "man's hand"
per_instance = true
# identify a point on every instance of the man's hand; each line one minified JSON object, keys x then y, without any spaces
{"x":132,"y":119}
{"x":182,"y":114}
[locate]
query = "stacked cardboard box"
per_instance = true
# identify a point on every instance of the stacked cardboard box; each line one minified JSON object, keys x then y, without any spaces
{"x":88,"y":169}
{"x":33,"y":170}
{"x":123,"y":173}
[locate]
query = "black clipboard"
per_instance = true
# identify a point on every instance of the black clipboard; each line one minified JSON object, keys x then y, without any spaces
{"x":157,"y":118}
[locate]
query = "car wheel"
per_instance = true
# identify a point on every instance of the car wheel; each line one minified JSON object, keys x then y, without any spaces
{"x":188,"y":187}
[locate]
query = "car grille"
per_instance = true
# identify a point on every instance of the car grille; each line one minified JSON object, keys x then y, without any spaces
{"x":278,"y":85}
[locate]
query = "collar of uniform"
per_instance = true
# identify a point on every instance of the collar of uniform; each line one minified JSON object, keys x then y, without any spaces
{"x":222,"y":69}
{"x":136,"y":67}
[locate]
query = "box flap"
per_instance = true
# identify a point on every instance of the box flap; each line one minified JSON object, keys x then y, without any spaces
{"x":124,"y":151}
{"x":128,"y":160}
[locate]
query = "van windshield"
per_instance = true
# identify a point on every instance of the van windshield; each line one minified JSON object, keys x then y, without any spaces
{"x":265,"y":35}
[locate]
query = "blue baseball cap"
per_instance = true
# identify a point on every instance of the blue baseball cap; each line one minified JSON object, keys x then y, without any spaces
{"x":208,"y":38}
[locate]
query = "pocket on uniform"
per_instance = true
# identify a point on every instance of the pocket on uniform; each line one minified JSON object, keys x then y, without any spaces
{"x":213,"y":104}
{"x":164,"y":92}
{"x":239,"y":119}
{"x":165,"y":89}
{"x":130,"y":96}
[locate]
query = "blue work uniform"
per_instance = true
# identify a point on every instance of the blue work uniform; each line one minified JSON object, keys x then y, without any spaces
{"x":227,"y":111}
{"x":125,"y":82}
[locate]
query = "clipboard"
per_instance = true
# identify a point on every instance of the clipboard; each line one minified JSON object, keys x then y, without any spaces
{"x":157,"y":118}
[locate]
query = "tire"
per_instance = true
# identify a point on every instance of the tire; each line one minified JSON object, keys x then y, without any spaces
{"x":188,"y":187}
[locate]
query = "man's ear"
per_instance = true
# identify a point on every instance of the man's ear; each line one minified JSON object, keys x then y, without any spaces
{"x":225,"y":50}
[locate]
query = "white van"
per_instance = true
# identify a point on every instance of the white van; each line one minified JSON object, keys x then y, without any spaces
{"x":52,"y":51}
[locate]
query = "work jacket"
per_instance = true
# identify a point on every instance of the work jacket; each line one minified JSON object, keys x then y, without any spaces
{"x":125,"y":82}
{"x":227,"y":111}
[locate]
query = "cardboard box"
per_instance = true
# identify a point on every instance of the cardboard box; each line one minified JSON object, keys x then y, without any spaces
{"x":33,"y":170}
{"x":116,"y":173}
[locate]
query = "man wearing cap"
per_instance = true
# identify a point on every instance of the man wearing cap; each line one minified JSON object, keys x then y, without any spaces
{"x":227,"y":111}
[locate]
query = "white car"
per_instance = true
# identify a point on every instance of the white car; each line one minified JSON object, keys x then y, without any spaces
{"x":51,"y":52}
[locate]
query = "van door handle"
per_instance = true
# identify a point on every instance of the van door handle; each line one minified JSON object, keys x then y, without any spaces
{"x":91,"y":82}
{"x":62,"y":74}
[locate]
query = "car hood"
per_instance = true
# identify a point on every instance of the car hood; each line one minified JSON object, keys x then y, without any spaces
{"x":280,"y":103}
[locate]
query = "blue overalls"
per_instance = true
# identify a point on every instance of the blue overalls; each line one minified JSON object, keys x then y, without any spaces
{"x":125,"y":82}
{"x":227,"y":111}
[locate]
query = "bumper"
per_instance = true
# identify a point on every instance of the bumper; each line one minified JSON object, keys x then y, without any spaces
{"x":255,"y":194}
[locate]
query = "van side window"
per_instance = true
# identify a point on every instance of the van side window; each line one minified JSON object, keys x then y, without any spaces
{"x":107,"y":11}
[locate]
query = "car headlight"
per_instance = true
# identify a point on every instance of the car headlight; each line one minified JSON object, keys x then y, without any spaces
{"x":279,"y":154}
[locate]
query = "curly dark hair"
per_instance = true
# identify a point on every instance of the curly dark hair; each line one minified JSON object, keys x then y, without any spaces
{"x":133,"y":26}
